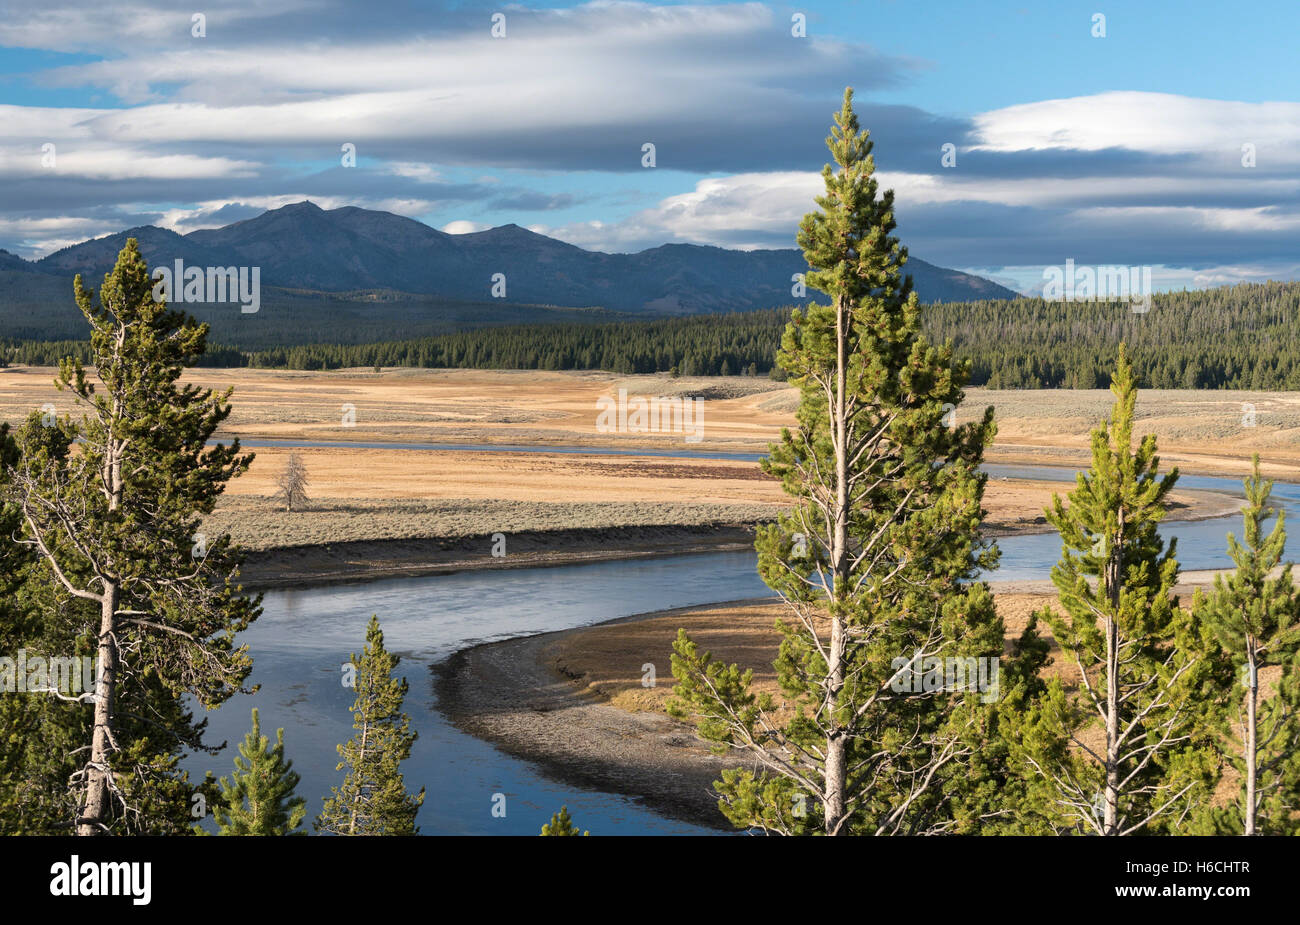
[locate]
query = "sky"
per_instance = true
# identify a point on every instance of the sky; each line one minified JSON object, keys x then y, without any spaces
{"x":1160,"y":134}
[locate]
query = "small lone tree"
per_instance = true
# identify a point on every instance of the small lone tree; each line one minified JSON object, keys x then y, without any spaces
{"x":1141,"y":676}
{"x":259,"y":798}
{"x":1253,"y":615}
{"x":293,"y":483}
{"x":561,"y":824}
{"x":373,"y":799}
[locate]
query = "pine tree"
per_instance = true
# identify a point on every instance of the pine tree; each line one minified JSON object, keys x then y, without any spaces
{"x":31,"y":799}
{"x":373,"y":798}
{"x":115,"y":526}
{"x":1136,"y":652}
{"x":40,"y":736}
{"x":259,"y":798}
{"x":561,"y":824}
{"x":1253,"y":615}
{"x":15,"y":718}
{"x":875,"y":559}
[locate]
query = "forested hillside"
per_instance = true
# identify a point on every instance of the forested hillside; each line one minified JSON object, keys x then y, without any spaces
{"x":39,"y":306}
{"x":1239,"y":337}
{"x":1244,"y":336}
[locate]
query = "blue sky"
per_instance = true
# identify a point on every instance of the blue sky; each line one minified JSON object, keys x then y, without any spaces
{"x":1128,"y":148}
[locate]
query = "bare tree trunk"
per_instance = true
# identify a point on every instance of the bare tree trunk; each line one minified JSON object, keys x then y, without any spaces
{"x":1113,"y":578}
{"x":1110,"y":820}
{"x":356,"y":798}
{"x":836,"y":743}
{"x":95,"y":809}
{"x":1251,"y":736}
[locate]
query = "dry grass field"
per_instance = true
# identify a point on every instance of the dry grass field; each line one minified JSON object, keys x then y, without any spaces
{"x":450,"y":406}
{"x":455,"y":494}
{"x":1203,"y":431}
{"x":392,"y":493}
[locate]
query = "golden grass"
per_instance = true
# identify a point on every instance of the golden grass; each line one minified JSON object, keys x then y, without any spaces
{"x":1202,"y":430}
{"x":389,"y":493}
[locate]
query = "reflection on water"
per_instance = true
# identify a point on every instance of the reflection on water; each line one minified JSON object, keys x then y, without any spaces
{"x":305,"y":635}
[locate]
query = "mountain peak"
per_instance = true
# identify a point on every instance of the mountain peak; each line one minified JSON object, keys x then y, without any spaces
{"x":302,"y":246}
{"x":502,"y":230}
{"x":147,"y":230}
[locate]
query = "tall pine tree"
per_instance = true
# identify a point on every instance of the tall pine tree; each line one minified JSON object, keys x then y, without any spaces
{"x":115,"y":526}
{"x":875,"y":558}
{"x":1130,"y":750}
{"x":1253,"y":615}
{"x":260,"y":798}
{"x":373,"y":798}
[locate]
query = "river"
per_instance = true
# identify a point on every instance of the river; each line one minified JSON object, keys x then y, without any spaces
{"x":305,"y":635}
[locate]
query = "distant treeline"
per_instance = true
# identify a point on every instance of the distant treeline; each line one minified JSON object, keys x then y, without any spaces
{"x":1242,"y":337}
{"x":697,"y":345}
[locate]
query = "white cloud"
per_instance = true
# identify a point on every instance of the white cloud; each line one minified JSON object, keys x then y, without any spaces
{"x":125,"y":26}
{"x":598,"y":66}
{"x":464,"y":227}
{"x":1158,"y":123}
{"x":1209,"y":220}
{"x":1081,"y":191}
{"x":748,"y":211}
{"x":741,"y":211}
{"x":422,"y":173}
{"x":1030,"y":280}
{"x":36,"y":237}
{"x":78,"y":152}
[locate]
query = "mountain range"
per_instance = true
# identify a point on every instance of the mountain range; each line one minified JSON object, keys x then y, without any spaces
{"x":347,"y":250}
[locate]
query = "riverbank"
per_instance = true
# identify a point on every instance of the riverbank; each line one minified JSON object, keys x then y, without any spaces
{"x":367,"y":560}
{"x":371,"y":540}
{"x":512,"y":695}
{"x":577,"y":703}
